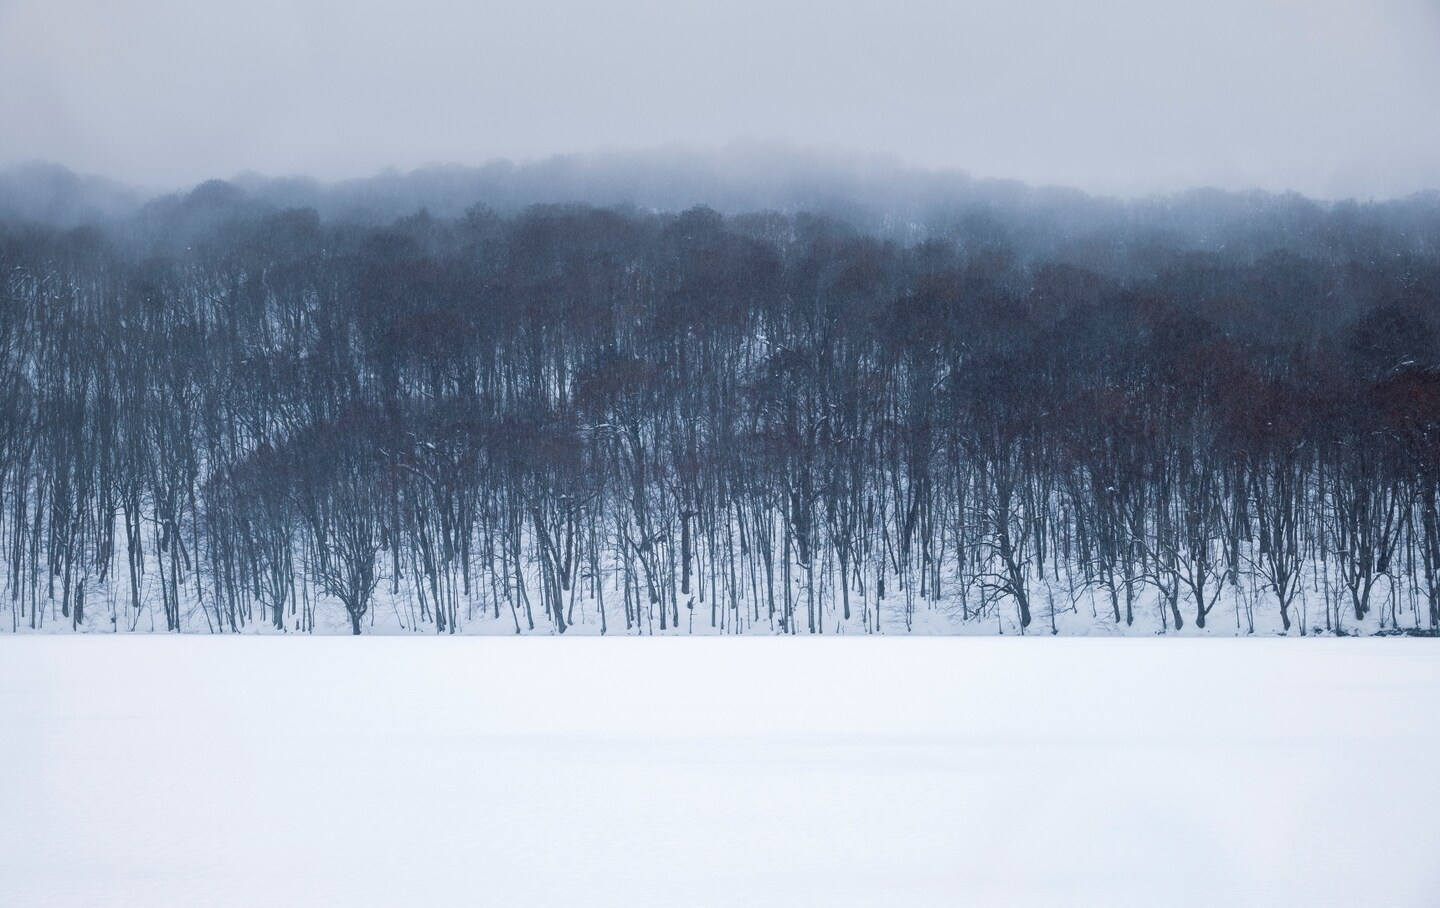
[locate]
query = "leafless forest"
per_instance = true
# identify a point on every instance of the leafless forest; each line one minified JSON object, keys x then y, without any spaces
{"x":1024,"y":411}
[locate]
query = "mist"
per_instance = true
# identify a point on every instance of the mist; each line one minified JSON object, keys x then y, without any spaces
{"x":1330,"y":99}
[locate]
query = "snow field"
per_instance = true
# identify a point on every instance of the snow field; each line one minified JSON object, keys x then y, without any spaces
{"x":153,"y":771}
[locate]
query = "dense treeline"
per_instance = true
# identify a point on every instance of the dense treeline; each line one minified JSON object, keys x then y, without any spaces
{"x":222,"y":416}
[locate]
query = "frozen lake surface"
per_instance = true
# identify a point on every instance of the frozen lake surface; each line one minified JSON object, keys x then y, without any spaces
{"x":715,"y":772}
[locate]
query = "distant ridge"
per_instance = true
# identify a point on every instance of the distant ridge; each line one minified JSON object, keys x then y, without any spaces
{"x":875,"y":194}
{"x":51,"y":194}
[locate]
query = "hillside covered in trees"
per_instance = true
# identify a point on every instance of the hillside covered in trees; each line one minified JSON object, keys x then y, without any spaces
{"x":1002,"y":410}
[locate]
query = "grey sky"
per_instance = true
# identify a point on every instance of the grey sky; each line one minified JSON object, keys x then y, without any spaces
{"x":1329,"y":97}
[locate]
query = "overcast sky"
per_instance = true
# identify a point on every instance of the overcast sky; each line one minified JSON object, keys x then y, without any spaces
{"x":1328,"y":97}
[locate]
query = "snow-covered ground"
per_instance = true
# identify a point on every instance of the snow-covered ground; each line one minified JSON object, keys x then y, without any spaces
{"x":1241,"y":610}
{"x":154,"y":771}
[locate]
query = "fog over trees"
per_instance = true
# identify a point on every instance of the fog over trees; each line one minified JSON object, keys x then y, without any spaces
{"x":462,"y":400}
